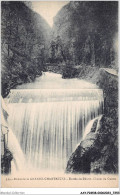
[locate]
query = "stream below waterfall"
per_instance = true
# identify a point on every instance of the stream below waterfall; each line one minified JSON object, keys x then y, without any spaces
{"x":49,"y":116}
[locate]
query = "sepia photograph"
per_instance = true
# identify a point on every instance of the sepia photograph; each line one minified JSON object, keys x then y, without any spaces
{"x":59,"y":94}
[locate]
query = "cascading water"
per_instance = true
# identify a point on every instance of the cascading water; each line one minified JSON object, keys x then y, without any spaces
{"x":49,"y":123}
{"x":18,"y":160}
{"x":90,"y":125}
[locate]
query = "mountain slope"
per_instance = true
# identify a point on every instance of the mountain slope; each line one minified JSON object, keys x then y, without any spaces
{"x":88,"y":31}
{"x":25,"y":37}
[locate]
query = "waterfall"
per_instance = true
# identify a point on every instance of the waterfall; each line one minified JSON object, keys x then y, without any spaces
{"x":54,"y":95}
{"x":18,"y":162}
{"x":90,"y":125}
{"x":10,"y":143}
{"x":49,"y":123}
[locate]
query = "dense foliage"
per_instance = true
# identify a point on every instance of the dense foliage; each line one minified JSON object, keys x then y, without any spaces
{"x":24,"y":43}
{"x":84,"y":34}
{"x":88,"y":31}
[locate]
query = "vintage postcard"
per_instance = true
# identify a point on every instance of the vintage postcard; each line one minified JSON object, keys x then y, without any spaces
{"x":59,"y":97}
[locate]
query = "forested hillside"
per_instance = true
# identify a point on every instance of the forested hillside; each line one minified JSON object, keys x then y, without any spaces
{"x":84,"y":35}
{"x":24,"y":42}
{"x":87,"y":33}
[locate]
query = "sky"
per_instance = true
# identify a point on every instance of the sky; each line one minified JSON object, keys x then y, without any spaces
{"x":48,"y":9}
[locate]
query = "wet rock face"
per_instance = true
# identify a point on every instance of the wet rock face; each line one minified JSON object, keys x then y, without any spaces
{"x":79,"y":161}
{"x":6,"y":162}
{"x":98,"y":152}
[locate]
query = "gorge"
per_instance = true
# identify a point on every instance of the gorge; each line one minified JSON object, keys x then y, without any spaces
{"x":61,"y":86}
